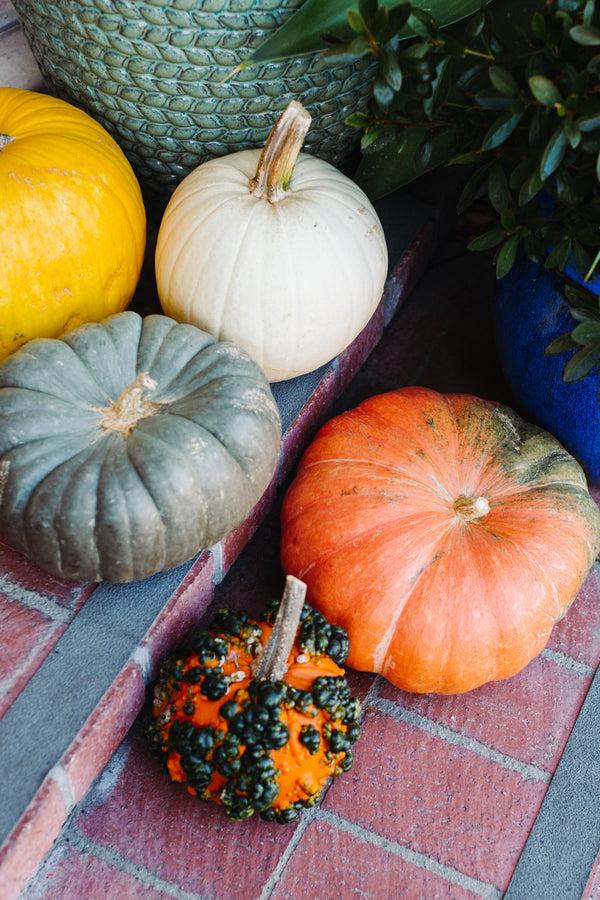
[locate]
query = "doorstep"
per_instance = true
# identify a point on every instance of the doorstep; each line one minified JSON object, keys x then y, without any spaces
{"x":444,"y":793}
{"x":77,"y":657}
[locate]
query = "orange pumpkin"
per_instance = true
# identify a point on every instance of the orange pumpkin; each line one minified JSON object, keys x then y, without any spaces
{"x":446,"y":535}
{"x":72,"y":220}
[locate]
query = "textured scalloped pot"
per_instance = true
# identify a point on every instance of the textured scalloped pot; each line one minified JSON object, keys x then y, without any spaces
{"x":153,"y":73}
{"x":529,"y":312}
{"x":72,"y":220}
{"x":278,"y":252}
{"x":444,"y":533}
{"x":128,"y":446}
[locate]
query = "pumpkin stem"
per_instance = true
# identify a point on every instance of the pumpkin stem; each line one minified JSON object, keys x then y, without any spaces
{"x":5,"y":139}
{"x":130,"y":406}
{"x":272,"y":663}
{"x":279,"y":155}
{"x":471,"y":508}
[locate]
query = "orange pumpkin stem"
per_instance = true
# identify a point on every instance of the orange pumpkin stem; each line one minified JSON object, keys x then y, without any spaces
{"x":471,"y":508}
{"x":130,"y":406}
{"x":279,"y":155}
{"x":272,"y":663}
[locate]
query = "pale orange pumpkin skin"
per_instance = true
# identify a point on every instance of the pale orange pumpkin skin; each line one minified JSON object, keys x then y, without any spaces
{"x":72,"y":220}
{"x":432,"y":599}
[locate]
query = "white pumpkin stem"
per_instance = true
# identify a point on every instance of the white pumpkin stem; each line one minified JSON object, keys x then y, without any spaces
{"x":130,"y":406}
{"x":272,"y":663}
{"x":471,"y":508}
{"x":279,"y":155}
{"x":5,"y":139}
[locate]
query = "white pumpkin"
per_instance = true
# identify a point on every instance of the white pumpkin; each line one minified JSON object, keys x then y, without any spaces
{"x":280,"y":253}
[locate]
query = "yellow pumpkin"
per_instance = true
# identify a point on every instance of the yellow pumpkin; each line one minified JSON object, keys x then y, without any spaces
{"x":72,"y":220}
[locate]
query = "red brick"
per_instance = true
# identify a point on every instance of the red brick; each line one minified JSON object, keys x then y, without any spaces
{"x":181,"y":839}
{"x":312,"y":415}
{"x":352,"y":359}
{"x":27,"y":638}
{"x":528,"y":716}
{"x":31,"y":839}
{"x":592,"y":888}
{"x":441,"y":800}
{"x":234,"y":543}
{"x":24,"y":573}
{"x":182,"y":611}
{"x":348,"y":866}
{"x":578,"y":634}
{"x":76,"y":874}
{"x":105,"y":729}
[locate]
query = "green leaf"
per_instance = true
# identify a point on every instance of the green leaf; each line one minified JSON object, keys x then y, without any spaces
{"x":582,"y":363}
{"x":559,"y":255}
{"x":359,"y":46}
{"x":531,"y":187}
{"x":586,"y":35}
{"x":465,"y":159}
{"x":369,"y":137}
{"x":544,"y":90}
{"x":506,"y":256}
{"x":356,"y":22}
{"x":581,"y":299}
{"x":302,"y":33}
{"x":503,"y":81}
{"x":560,"y":345}
{"x":553,"y":154}
{"x":487,"y":240}
{"x":501,"y":129}
{"x":519,"y":173}
{"x":582,"y":258}
{"x":490,"y":98}
{"x":587,"y":333}
{"x":367,"y":9}
{"x":498,"y":190}
{"x":472,"y":188}
{"x":383,"y":93}
{"x":440,"y":87}
{"x":589,"y":123}
{"x":390,"y":68}
{"x":357,"y":120}
{"x":422,"y":23}
{"x":572,"y":132}
{"x":538,"y":26}
{"x":394,"y":165}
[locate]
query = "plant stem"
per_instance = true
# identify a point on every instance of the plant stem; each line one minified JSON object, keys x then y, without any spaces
{"x":272,"y":663}
{"x":279,"y":155}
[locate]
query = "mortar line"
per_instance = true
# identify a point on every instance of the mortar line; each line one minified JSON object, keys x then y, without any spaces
{"x":275,"y":876}
{"x":429,"y":863}
{"x":568,"y":662}
{"x":113,"y":858}
{"x":528,"y":771}
{"x":32,"y":600}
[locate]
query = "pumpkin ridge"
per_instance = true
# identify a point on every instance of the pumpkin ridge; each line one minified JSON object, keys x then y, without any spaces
{"x":232,"y":271}
{"x":380,"y":651}
{"x":217,"y":441}
{"x":429,"y":486}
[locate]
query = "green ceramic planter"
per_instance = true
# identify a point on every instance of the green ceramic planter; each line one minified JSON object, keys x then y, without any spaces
{"x":152,"y":72}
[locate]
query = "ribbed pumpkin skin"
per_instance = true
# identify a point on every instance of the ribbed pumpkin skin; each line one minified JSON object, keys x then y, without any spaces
{"x":292,"y":282}
{"x":91,"y":503}
{"x":72,"y":220}
{"x":432,"y":600}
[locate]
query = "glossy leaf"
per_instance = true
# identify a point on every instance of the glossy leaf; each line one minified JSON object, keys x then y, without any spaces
{"x":544,"y":90}
{"x":503,"y":81}
{"x":506,"y":256}
{"x":553,"y":154}
{"x":587,"y":333}
{"x":582,"y":363}
{"x":498,"y":189}
{"x":584,"y":34}
{"x":501,"y":129}
{"x":303,"y":32}
{"x":560,"y":345}
{"x":487,"y":240}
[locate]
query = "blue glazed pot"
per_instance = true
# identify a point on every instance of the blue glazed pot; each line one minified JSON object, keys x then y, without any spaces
{"x":529,"y":312}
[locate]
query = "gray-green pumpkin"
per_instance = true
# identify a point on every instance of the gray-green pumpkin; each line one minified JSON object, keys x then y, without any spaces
{"x":127,"y":447}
